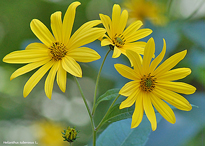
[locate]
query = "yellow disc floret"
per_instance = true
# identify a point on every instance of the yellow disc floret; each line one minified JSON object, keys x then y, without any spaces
{"x":147,"y":83}
{"x":57,"y":51}
{"x":119,"y":40}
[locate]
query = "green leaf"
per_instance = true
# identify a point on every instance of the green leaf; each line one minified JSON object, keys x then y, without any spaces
{"x":120,"y":133}
{"x":110,"y":94}
{"x":117,"y":114}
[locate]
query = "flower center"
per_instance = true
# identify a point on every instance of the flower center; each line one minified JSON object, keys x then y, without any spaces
{"x":119,"y":40}
{"x":58,"y":51}
{"x":147,"y":83}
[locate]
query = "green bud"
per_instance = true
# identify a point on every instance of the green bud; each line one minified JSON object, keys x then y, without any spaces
{"x":70,"y":134}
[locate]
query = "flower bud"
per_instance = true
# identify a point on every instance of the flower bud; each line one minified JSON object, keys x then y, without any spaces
{"x":70,"y":134}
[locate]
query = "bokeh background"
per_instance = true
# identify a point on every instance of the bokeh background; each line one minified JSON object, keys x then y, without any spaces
{"x":37,"y":118}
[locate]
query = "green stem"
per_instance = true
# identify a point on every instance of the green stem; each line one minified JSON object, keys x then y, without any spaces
{"x":97,"y":81}
{"x":94,"y":137}
{"x":101,"y":122}
{"x":86,"y":104}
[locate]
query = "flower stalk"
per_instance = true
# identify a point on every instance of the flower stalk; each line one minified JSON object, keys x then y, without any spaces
{"x":86,"y":104}
{"x":97,"y":81}
{"x":101,"y":122}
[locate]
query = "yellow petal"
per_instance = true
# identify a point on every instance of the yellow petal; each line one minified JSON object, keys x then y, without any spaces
{"x":132,"y":28}
{"x":116,"y":53}
{"x":122,"y":22}
{"x":137,"y":47}
{"x":61,"y":78}
{"x":140,"y":57}
{"x":149,"y":111}
{"x":89,"y":36}
{"x":148,"y":54}
{"x":42,"y":32}
{"x":68,"y":21}
{"x":130,"y":100}
{"x":28,"y":67}
{"x":56,"y":26}
{"x":83,"y":30}
{"x":129,"y":88}
{"x":36,"y":46}
{"x":126,"y":71}
{"x":139,"y":34}
{"x":173,"y":98}
{"x":163,"y":109}
{"x":50,"y":79}
{"x":35,"y":78}
{"x":134,"y":47}
{"x":115,"y":18}
{"x":158,"y":59}
{"x":135,"y":59}
{"x":175,"y":74}
{"x":106,"y":42}
{"x":138,"y":44}
{"x":169,"y":63}
{"x":71,"y":66}
{"x":26,"y":56}
{"x":179,"y":87}
{"x":84,"y":54}
{"x":106,"y":21}
{"x":138,"y":112}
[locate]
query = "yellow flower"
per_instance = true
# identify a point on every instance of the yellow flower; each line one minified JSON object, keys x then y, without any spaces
{"x":49,"y":133}
{"x":58,"y":53}
{"x":153,"y":85}
{"x":143,"y":9}
{"x":121,"y":39}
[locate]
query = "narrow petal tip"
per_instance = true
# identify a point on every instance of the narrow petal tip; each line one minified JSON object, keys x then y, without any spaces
{"x":4,"y":59}
{"x":63,"y":90}
{"x":25,"y":94}
{"x":11,"y":78}
{"x":49,"y":96}
{"x":154,"y":127}
{"x":77,"y":3}
{"x":188,"y":107}
{"x":151,"y":39}
{"x":121,"y":107}
{"x":184,"y":52}
{"x":116,"y":66}
{"x":7,"y":58}
{"x":79,"y":76}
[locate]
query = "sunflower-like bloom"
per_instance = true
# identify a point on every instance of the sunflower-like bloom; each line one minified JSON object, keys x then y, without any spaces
{"x":121,"y":39}
{"x":47,"y":133}
{"x":58,"y":53}
{"x":154,"y":86}
{"x":143,"y":9}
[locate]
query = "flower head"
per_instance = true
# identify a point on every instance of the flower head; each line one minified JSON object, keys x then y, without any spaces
{"x":143,"y":9}
{"x":58,"y":53}
{"x":120,"y":38}
{"x":154,"y":86}
{"x":48,"y":133}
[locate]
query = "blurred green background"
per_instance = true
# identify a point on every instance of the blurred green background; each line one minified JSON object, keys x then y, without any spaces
{"x":36,"y":118}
